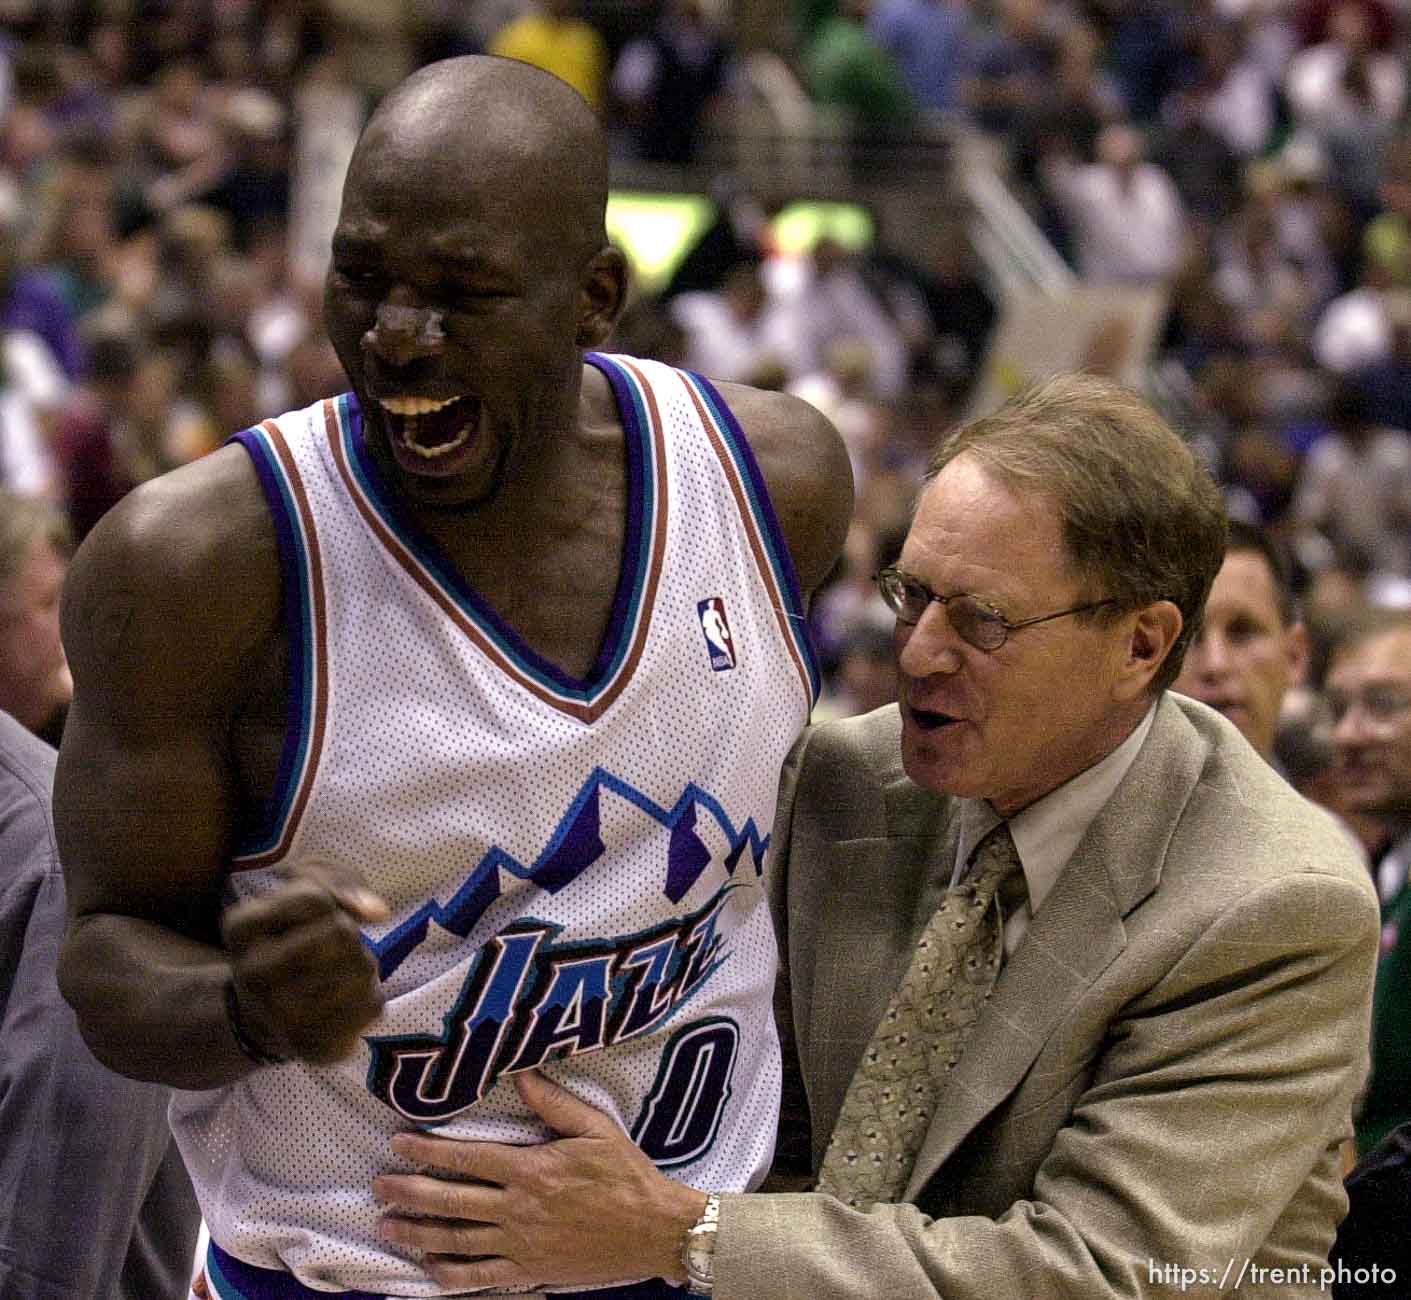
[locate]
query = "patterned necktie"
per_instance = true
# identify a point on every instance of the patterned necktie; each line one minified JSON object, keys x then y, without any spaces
{"x":892,"y":1097}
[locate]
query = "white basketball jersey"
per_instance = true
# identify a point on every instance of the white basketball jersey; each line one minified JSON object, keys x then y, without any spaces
{"x":574,"y":867}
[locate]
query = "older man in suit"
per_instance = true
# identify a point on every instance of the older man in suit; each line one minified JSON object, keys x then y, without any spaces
{"x":1076,"y":987}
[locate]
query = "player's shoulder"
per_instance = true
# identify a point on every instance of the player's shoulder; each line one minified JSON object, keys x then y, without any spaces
{"x":196,"y":545}
{"x":806,"y":469}
{"x":770,"y":417}
{"x":178,"y":526}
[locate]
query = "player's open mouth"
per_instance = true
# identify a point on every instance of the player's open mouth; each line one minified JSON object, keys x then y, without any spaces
{"x":429,"y":427}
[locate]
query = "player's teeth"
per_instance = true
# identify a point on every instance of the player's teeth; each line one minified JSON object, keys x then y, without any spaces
{"x":415,"y":405}
{"x":440,"y":449}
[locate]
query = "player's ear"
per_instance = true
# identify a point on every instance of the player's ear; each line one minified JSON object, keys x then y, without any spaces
{"x":602,"y":295}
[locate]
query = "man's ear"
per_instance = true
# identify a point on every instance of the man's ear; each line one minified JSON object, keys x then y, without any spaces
{"x":1153,"y":632}
{"x":601,"y":297}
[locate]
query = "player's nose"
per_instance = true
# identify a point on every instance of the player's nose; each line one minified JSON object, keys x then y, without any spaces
{"x":401,"y":333}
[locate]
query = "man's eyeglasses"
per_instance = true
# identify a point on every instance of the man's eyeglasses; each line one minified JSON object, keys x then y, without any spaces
{"x":975,"y":622}
{"x":1382,"y":705}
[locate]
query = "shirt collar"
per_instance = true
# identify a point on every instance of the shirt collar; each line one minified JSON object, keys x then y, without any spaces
{"x":1048,"y":830}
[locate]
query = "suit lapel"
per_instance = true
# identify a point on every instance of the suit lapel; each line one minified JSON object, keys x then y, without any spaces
{"x":1076,"y":935}
{"x":887,"y":888}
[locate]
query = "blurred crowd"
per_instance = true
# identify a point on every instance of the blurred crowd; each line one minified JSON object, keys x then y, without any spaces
{"x":166,"y":167}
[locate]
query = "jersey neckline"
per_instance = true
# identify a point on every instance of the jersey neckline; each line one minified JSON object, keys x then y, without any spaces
{"x":639,"y":565}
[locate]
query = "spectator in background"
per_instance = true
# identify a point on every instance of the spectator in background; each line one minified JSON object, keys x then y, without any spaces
{"x":1125,"y":215}
{"x":1251,"y":647}
{"x":76,"y":239}
{"x":1080,"y":99}
{"x":1348,"y":95}
{"x":32,"y":392}
{"x":669,"y":80}
{"x":1354,"y":330}
{"x":224,"y":398}
{"x":173,"y":128}
{"x":1373,"y":1244}
{"x":193,"y":252}
{"x":373,"y":41}
{"x":835,"y":302}
{"x":1011,"y":73}
{"x":734,"y":333}
{"x":553,"y":35}
{"x":1368,"y":691}
{"x":738,"y":232}
{"x":35,"y":684}
{"x":29,"y":300}
{"x":1227,"y":91}
{"x":844,"y":389}
{"x":845,"y":68}
{"x":898,"y":283}
{"x":1354,"y":488}
{"x":1144,"y":42}
{"x":248,"y":179}
{"x":279,"y":310}
{"x":1385,"y":384}
{"x":928,"y":41}
{"x":1388,"y":234}
{"x":849,"y":604}
{"x":57,"y":100}
{"x":1220,"y":114}
{"x":1083,"y":97}
{"x":240,"y":170}
{"x":962,"y":311}
{"x":113,"y":434}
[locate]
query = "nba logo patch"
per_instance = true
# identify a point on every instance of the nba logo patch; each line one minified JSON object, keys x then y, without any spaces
{"x":716,"y":627}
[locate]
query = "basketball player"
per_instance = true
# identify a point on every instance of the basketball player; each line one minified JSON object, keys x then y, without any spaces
{"x":431,"y":735}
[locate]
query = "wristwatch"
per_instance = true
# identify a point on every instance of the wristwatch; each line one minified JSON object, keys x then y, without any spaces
{"x":698,"y":1249}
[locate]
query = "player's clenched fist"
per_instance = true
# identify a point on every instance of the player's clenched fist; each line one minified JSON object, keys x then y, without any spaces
{"x":303,"y":983}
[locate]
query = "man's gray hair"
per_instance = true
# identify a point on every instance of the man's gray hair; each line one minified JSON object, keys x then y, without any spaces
{"x":1142,"y":518}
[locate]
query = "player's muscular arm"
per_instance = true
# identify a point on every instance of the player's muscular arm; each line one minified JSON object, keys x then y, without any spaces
{"x":806,"y":466}
{"x":169,"y":604}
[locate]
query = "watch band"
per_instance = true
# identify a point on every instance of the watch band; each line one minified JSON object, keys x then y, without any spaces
{"x":698,"y":1249}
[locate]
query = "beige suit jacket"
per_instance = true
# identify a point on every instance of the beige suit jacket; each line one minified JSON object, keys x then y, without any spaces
{"x":1165,"y":1069}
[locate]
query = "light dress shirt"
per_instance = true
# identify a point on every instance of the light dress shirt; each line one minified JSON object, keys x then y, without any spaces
{"x":1048,"y":830}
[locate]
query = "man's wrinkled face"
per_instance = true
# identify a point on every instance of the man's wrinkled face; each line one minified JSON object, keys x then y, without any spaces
{"x":1245,"y":659}
{"x":34,"y":672}
{"x":1368,"y":690}
{"x":1012,"y":724}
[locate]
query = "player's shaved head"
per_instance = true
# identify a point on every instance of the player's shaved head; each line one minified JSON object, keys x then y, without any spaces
{"x":497,"y":123}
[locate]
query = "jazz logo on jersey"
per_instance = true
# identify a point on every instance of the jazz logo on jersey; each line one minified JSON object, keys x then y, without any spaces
{"x":720,"y":642}
{"x":525,"y":1001}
